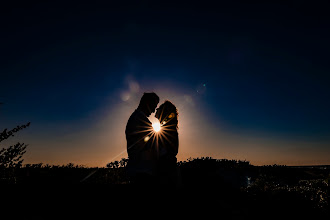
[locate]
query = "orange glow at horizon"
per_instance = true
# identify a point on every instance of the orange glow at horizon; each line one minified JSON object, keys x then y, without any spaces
{"x":100,"y":139}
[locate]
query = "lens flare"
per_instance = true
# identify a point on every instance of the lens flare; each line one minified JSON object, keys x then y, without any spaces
{"x":146,"y":139}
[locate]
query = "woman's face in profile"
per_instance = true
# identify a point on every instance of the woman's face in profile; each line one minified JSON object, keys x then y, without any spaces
{"x":157,"y":114}
{"x":160,"y":113}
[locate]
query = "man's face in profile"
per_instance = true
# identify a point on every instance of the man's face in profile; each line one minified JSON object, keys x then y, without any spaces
{"x":152,"y":107}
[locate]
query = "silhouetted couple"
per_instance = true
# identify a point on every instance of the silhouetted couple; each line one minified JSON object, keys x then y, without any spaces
{"x":151,"y":154}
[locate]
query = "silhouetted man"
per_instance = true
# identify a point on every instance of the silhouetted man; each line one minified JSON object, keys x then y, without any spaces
{"x":141,"y":165}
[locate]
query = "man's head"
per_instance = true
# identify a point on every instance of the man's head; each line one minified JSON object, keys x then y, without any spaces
{"x":148,"y":103}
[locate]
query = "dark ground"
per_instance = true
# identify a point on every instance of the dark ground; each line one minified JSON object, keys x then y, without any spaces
{"x":229,"y":188}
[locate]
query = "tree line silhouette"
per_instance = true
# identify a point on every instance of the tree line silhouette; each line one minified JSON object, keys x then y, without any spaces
{"x":11,"y":157}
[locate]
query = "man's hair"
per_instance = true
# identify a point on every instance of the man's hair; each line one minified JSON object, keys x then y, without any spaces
{"x":147,"y":98}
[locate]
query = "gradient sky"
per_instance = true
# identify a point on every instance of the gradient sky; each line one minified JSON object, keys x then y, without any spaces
{"x":251,"y":81}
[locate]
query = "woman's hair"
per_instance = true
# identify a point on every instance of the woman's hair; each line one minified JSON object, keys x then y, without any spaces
{"x":167,"y":111}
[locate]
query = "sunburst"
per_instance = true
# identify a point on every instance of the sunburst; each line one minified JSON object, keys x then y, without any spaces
{"x":154,"y":133}
{"x":160,"y":132}
{"x":156,"y":126}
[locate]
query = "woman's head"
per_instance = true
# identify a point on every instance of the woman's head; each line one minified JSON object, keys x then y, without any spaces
{"x":167,"y":114}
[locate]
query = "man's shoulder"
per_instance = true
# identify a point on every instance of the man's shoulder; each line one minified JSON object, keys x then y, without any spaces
{"x":138,"y":116}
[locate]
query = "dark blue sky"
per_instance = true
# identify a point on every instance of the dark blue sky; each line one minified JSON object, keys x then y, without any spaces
{"x":265,"y":66}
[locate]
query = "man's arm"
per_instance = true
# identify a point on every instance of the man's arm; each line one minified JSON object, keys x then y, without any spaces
{"x":137,"y":133}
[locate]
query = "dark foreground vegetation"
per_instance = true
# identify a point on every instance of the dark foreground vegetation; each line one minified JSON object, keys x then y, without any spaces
{"x":236,"y":186}
{"x":230,"y":188}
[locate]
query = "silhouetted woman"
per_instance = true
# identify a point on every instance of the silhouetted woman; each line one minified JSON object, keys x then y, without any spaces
{"x":168,"y":143}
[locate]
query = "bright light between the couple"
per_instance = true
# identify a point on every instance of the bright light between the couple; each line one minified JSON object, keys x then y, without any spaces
{"x":156,"y":126}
